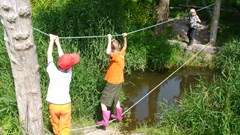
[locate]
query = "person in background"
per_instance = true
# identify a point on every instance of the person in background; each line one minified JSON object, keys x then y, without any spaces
{"x":194,"y":19}
{"x":114,"y":79}
{"x":58,"y":97}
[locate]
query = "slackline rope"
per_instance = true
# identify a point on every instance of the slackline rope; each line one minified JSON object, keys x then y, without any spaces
{"x":117,"y":35}
{"x":166,"y":79}
{"x":189,"y":60}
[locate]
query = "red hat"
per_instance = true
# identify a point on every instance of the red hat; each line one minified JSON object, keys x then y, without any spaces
{"x":66,"y":61}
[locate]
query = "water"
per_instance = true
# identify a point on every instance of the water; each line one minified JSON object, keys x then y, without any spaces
{"x":140,"y":83}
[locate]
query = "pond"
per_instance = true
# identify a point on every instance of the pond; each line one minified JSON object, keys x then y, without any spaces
{"x":148,"y":110}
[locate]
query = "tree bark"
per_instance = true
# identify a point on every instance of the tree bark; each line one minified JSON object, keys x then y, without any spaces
{"x":215,"y":21}
{"x":16,"y":19}
{"x":162,"y":15}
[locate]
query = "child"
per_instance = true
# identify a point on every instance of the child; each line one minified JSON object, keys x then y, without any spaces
{"x":58,"y":90}
{"x":114,"y":78}
{"x":194,"y":19}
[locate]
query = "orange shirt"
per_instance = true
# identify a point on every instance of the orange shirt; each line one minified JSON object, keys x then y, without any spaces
{"x":115,"y":74}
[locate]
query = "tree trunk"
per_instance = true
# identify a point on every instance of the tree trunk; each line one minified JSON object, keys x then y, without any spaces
{"x":18,"y":36}
{"x":215,"y":20}
{"x":162,"y":15}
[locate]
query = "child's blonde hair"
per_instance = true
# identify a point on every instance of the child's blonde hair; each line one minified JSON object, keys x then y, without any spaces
{"x":115,"y":44}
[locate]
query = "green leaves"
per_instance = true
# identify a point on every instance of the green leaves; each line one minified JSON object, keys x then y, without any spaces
{"x":228,"y":57}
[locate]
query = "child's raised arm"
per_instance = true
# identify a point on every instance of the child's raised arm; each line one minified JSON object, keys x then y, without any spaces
{"x":50,"y":48}
{"x":124,"y":41}
{"x":109,"y":48}
{"x":60,"y":51}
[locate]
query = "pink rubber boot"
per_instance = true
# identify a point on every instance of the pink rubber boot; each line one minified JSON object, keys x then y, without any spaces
{"x":106,"y":116}
{"x":118,"y":114}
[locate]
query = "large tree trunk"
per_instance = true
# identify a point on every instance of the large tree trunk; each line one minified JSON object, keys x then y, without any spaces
{"x":215,"y":20}
{"x":162,"y":15}
{"x":18,"y":36}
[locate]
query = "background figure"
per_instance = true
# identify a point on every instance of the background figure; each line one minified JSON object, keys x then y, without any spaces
{"x":114,"y":78}
{"x":58,"y":95}
{"x":194,"y":19}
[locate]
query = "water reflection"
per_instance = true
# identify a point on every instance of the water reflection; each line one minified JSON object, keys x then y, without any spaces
{"x":140,"y":83}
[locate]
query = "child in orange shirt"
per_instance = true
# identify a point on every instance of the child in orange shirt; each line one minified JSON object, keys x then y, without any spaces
{"x":114,"y":78}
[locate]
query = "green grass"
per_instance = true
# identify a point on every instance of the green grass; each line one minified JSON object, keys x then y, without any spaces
{"x":9,"y":123}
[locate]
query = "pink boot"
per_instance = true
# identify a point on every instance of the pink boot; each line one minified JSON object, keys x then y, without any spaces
{"x":118,"y":115}
{"x":106,"y":116}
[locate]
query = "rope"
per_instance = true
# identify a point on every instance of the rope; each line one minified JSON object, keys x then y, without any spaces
{"x":44,"y":33}
{"x":40,"y":31}
{"x":82,"y":37}
{"x":77,"y":129}
{"x":189,"y":60}
{"x":153,"y":25}
{"x":117,"y":35}
{"x":205,"y":7}
{"x":165,"y":79}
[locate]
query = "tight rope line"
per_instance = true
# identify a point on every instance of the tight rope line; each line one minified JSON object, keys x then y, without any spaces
{"x":40,"y":31}
{"x":205,"y":7}
{"x":170,"y":20}
{"x":189,"y":60}
{"x":153,"y":25}
{"x":77,"y":129}
{"x":82,"y":37}
{"x":44,"y":33}
{"x":165,"y":79}
{"x":117,"y":35}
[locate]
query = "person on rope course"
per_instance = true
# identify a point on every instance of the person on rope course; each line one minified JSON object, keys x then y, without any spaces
{"x":193,"y":22}
{"x":114,"y":79}
{"x":58,"y":97}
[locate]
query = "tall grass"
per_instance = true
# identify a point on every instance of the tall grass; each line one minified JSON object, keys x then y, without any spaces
{"x":224,"y":62}
{"x":8,"y":107}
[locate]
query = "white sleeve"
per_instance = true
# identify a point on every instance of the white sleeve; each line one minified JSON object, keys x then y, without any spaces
{"x":51,"y":68}
{"x":198,"y":19}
